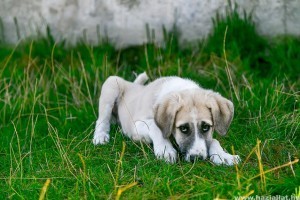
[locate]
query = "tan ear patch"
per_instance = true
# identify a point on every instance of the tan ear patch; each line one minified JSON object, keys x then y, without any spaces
{"x":165,"y":114}
{"x":222,"y":111}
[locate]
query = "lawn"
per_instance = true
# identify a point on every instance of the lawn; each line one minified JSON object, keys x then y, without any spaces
{"x":49,"y":104}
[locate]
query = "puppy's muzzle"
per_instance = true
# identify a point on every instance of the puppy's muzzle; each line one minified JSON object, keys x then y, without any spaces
{"x":194,"y":158}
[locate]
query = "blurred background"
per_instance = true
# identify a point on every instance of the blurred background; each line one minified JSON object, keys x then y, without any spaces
{"x":133,"y":22}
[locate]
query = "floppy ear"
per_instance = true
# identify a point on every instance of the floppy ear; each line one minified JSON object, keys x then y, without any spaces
{"x":222,"y":113}
{"x":165,"y":113}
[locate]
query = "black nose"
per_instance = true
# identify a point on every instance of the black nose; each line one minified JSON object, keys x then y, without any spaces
{"x":193,"y":158}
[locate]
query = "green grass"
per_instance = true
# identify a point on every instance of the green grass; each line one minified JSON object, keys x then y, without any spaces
{"x":48,"y":105}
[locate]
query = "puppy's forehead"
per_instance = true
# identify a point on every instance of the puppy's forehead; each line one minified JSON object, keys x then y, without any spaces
{"x":193,"y":114}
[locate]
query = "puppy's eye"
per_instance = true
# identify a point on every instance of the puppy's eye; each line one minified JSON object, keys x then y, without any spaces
{"x":185,"y":129}
{"x":205,"y":127}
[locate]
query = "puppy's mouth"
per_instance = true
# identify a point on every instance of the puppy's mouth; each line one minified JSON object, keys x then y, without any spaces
{"x":184,"y":155}
{"x":194,"y":158}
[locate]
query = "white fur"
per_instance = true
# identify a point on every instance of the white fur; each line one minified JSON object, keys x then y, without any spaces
{"x":175,"y":84}
{"x":218,"y":156}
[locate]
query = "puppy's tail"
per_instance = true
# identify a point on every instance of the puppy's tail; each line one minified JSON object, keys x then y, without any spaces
{"x":141,"y":79}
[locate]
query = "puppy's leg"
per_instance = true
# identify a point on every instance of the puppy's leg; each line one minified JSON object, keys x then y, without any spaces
{"x":218,"y":156}
{"x":141,"y":79}
{"x":112,"y":89}
{"x":163,"y":149}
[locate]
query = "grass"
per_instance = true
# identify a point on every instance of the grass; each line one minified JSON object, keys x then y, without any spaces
{"x":48,"y":107}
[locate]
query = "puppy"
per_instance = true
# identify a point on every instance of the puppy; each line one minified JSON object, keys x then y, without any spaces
{"x":169,"y":107}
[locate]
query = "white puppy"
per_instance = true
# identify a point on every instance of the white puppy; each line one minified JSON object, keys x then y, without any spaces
{"x":166,"y":108}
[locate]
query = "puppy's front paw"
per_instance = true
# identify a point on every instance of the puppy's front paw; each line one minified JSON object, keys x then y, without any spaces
{"x":100,"y":138}
{"x":166,"y":153}
{"x":225,"y":158}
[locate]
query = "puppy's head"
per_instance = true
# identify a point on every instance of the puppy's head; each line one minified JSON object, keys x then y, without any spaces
{"x":192,"y":116}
